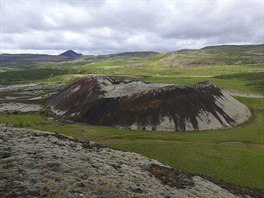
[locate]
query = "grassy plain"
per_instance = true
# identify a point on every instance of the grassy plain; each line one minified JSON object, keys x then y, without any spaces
{"x":243,"y":78}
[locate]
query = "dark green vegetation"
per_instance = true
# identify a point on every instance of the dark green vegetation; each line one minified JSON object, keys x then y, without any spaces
{"x":30,"y":75}
{"x":233,"y":155}
{"x":254,"y":79}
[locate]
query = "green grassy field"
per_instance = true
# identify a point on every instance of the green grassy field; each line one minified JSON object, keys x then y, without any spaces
{"x":243,"y":78}
{"x":233,"y":155}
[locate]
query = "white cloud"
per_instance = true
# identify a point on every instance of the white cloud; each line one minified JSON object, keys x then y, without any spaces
{"x":111,"y":26}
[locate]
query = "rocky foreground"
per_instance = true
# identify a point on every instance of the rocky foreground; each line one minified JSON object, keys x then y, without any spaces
{"x":38,"y":164}
{"x":133,"y":104}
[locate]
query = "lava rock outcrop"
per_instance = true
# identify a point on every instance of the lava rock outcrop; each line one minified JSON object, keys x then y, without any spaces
{"x":133,"y":104}
{"x":41,"y":164}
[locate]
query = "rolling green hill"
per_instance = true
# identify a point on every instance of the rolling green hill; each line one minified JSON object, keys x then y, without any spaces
{"x":216,"y":55}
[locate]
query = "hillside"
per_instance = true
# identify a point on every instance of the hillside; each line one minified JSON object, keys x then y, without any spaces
{"x":131,"y":104}
{"x":9,"y":59}
{"x":41,"y":164}
{"x":127,"y":55}
{"x":216,"y":55}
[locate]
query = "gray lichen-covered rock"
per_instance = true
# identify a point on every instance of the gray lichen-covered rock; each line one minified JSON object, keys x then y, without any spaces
{"x":19,"y":108}
{"x":38,"y":164}
{"x":126,"y":103}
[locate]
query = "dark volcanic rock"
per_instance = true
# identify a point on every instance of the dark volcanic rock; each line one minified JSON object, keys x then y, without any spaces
{"x":126,"y":103}
{"x":70,"y":54}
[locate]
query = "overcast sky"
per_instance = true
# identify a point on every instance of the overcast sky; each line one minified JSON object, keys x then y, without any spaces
{"x":102,"y":27}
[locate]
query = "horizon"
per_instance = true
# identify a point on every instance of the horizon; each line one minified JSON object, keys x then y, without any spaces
{"x":110,"y":26}
{"x":59,"y":53}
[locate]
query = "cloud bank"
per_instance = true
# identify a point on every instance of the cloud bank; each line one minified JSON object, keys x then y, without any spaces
{"x":101,"y":27}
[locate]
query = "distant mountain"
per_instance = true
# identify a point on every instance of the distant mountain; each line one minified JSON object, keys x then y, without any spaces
{"x":207,"y":56}
{"x":70,"y":54}
{"x":33,"y":58}
{"x":28,"y":58}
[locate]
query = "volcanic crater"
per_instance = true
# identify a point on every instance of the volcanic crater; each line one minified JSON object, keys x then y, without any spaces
{"x":133,"y":104}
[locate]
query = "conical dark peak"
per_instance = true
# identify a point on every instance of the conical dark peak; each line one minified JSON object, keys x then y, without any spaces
{"x":70,"y":54}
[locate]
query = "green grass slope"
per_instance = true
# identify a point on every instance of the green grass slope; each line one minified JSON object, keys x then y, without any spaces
{"x":216,"y":55}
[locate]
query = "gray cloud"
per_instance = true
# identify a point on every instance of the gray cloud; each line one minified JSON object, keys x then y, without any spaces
{"x":98,"y":27}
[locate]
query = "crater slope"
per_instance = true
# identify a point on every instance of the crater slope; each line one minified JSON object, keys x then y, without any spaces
{"x":133,"y":104}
